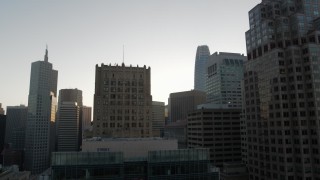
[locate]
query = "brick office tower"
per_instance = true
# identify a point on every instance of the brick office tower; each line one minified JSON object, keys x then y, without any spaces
{"x":282,"y":90}
{"x":122,"y":102}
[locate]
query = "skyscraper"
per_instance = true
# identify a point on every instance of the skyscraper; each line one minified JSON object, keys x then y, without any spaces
{"x":122,"y":101}
{"x":86,"y":118}
{"x":200,"y":67}
{"x":282,"y":90}
{"x":158,"y":119}
{"x":41,"y":113}
{"x":70,"y":121}
{"x":68,"y":127}
{"x":223,"y":80}
{"x":16,"y":126}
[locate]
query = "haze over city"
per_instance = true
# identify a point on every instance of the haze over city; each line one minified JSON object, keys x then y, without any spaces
{"x":80,"y":34}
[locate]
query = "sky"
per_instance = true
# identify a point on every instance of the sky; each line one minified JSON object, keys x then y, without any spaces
{"x":162,"y":34}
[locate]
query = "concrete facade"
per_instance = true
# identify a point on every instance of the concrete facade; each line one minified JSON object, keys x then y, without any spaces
{"x":131,"y":147}
{"x":218,"y":130}
{"x":122,"y":101}
{"x":223,"y":80}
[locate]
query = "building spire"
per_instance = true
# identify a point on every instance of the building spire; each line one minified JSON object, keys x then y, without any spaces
{"x":46,"y":55}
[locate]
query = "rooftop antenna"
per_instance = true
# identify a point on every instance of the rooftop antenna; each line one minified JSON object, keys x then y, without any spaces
{"x":46,"y":55}
{"x":123,"y":54}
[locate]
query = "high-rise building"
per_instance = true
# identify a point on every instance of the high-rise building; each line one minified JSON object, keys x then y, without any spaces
{"x":41,"y":114}
{"x":122,"y":102}
{"x":202,"y":56}
{"x":16,"y":126}
{"x":1,"y":109}
{"x":223,"y":80}
{"x":181,"y":103}
{"x":217,"y":129}
{"x":71,"y":96}
{"x":282,"y":90}
{"x":158,"y":119}
{"x":86,"y":117}
{"x":2,"y":134}
{"x":68,"y":127}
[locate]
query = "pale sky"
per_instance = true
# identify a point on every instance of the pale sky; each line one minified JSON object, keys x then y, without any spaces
{"x":162,"y":34}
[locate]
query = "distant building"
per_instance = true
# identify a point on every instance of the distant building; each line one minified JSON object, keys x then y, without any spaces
{"x":218,"y":130}
{"x":200,"y":71}
{"x":2,"y":133}
{"x":70,"y":95}
{"x":181,"y":103}
{"x":177,"y":130}
{"x":158,"y":119}
{"x":1,"y":109}
{"x":67,"y":98}
{"x":223,"y":80}
{"x":154,"y":165}
{"x":41,"y":115}
{"x":68,"y":127}
{"x":16,"y":126}
{"x":86,"y":117}
{"x":122,"y":101}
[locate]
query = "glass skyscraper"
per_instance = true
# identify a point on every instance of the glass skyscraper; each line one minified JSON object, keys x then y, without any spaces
{"x":200,"y":67}
{"x":282,"y":91}
{"x":41,"y":113}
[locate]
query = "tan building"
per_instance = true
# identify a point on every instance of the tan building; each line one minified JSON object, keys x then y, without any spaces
{"x":122,"y":102}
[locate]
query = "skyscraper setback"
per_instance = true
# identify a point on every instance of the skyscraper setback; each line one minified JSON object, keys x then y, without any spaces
{"x":282,"y":91}
{"x":122,"y":102}
{"x":200,"y":67}
{"x":41,"y":113}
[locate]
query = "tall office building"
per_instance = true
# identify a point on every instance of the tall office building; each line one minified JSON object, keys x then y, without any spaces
{"x":68,"y":127}
{"x":72,"y":96}
{"x":282,"y":90}
{"x":2,"y":134}
{"x":158,"y":119}
{"x":86,"y":117}
{"x":41,"y":114}
{"x":16,"y":126}
{"x":202,"y":56}
{"x":181,"y":103}
{"x":1,"y":109}
{"x":122,"y":101}
{"x":223,"y":80}
{"x":217,"y":129}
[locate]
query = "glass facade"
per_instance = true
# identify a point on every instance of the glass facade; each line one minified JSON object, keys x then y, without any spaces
{"x":175,"y":164}
{"x":202,"y":56}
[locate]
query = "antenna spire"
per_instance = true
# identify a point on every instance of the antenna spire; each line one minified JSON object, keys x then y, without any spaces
{"x":123,"y":54}
{"x":46,"y":55}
